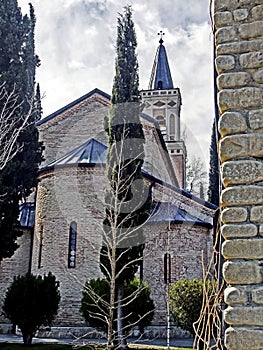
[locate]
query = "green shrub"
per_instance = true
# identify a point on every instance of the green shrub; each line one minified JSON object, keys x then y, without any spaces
{"x":141,"y":309}
{"x":137,"y":311}
{"x":32,"y":301}
{"x":186,"y":298}
{"x":94,"y":303}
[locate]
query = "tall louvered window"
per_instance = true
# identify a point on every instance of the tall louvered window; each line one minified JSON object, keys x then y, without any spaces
{"x":172,"y":127}
{"x":40,"y":246}
{"x":167,"y":268}
{"x":72,"y":245}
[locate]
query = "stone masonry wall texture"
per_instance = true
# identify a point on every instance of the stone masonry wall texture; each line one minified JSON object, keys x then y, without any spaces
{"x":60,"y":201}
{"x":239,"y":64}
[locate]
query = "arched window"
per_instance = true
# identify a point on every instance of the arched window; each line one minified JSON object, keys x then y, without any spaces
{"x":72,"y":245}
{"x":167,"y":268}
{"x":172,"y":127}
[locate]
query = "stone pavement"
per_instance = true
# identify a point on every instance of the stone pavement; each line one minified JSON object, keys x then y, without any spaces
{"x":11,"y":338}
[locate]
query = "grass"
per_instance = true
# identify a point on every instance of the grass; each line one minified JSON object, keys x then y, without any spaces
{"x":154,"y":347}
{"x":12,"y":346}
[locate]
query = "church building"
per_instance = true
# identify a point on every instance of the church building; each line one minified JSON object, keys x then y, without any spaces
{"x":63,"y":226}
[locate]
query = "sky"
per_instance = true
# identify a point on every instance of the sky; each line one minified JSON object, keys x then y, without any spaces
{"x":75,"y":40}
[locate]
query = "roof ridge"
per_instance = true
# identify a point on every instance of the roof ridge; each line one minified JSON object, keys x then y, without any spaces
{"x":72,"y":104}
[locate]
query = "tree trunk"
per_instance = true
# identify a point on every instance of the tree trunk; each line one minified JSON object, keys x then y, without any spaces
{"x":27,"y":338}
{"x":122,"y":344}
{"x":111,"y":335}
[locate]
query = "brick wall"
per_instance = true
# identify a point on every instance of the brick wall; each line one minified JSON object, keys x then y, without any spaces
{"x":239,"y":63}
{"x":84,"y":121}
{"x":72,"y":128}
{"x":67,"y":195}
{"x":186,"y":242}
{"x":77,"y":194}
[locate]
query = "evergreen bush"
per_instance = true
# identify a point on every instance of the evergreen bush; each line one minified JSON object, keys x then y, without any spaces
{"x":186,"y":299}
{"x":32,"y":301}
{"x":138,"y":307}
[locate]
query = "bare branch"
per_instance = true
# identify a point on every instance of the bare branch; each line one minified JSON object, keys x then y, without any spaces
{"x":196,"y":175}
{"x":11,"y":127}
{"x":208,"y":328}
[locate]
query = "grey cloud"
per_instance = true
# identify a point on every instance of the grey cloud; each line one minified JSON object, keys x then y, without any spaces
{"x":75,"y":40}
{"x":182,"y":13}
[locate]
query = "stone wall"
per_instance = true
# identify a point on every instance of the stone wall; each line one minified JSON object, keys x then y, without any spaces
{"x":73,"y":127}
{"x":64,"y":196}
{"x":189,"y":245}
{"x":239,"y":63}
{"x":77,"y":194}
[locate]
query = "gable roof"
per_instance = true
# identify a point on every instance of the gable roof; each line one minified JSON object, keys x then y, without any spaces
{"x":73,"y":104}
{"x":83,"y":98}
{"x":103,"y":98}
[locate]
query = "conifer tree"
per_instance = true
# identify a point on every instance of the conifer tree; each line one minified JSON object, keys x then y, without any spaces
{"x":18,"y":63}
{"x":32,"y":301}
{"x":213,"y":188}
{"x":128,"y":201}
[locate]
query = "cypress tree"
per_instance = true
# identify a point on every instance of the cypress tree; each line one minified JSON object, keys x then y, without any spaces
{"x":128,"y":202}
{"x":18,"y":63}
{"x":213,"y":188}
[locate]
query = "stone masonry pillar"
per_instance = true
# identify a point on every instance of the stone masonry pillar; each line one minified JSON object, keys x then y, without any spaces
{"x":239,"y":63}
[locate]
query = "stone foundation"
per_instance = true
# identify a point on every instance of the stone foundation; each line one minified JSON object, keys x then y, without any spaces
{"x":91,"y":333}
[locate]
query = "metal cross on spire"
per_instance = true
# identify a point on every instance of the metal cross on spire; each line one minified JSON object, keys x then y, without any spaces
{"x":161,"y":33}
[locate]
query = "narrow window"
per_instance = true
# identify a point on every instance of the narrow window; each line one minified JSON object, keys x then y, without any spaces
{"x":40,"y":246}
{"x":172,"y":127}
{"x":167,"y":268}
{"x":72,"y":245}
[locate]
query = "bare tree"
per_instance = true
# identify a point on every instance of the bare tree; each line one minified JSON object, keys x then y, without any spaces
{"x":196,"y":176}
{"x":119,"y":236}
{"x":11,"y":127}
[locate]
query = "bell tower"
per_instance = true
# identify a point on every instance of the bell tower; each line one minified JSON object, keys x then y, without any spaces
{"x":163,"y":102}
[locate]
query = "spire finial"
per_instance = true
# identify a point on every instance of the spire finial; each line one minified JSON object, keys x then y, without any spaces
{"x":161,"y":33}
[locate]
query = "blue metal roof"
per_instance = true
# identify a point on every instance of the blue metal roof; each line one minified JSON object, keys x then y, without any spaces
{"x":27,"y":215}
{"x":181,"y":191}
{"x":162,"y":212}
{"x":91,"y":152}
{"x":168,"y":212}
{"x":161,"y":76}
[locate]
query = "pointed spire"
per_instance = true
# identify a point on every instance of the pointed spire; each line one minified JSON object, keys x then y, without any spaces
{"x":161,"y":76}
